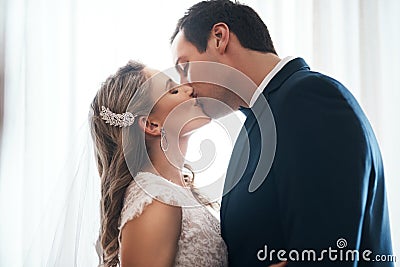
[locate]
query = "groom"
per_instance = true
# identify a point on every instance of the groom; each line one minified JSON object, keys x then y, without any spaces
{"x":321,"y":200}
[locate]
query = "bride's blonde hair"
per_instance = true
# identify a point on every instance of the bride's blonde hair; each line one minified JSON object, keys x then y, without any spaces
{"x":127,"y":87}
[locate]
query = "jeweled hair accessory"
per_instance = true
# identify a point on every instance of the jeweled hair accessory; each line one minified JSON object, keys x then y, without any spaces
{"x":122,"y":120}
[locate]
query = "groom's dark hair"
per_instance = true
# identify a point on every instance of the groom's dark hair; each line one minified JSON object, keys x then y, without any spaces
{"x":242,"y":20}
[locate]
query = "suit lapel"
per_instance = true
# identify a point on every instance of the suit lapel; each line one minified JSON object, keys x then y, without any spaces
{"x":240,"y":150}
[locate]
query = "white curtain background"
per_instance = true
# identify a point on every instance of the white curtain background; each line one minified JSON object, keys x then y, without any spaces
{"x":55,"y":54}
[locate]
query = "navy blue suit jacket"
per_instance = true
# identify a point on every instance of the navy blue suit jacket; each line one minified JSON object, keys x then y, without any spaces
{"x":326,"y":182}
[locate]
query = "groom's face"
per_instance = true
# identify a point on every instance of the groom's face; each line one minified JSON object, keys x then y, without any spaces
{"x":199,"y":70}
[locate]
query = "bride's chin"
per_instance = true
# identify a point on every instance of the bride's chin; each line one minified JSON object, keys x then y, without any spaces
{"x":194,"y":125}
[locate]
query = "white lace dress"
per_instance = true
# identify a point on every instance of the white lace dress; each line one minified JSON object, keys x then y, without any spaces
{"x":200,"y":242}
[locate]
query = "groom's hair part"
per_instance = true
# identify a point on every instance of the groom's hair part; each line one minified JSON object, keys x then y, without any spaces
{"x":242,"y":20}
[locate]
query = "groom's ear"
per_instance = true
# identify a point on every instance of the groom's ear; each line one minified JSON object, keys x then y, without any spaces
{"x":149,"y":126}
{"x":220,"y":37}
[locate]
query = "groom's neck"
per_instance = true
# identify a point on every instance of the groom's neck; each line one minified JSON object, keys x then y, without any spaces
{"x":256,"y":65}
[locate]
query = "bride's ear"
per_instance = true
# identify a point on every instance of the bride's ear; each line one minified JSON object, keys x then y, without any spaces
{"x":149,"y":126}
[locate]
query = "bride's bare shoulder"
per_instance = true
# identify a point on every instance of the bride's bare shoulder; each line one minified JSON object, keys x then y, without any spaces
{"x":151,"y":239}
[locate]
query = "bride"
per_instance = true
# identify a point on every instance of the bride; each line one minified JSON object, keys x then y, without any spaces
{"x":151,"y":215}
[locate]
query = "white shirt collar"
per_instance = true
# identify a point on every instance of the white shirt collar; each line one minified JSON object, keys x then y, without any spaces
{"x":268,"y":78}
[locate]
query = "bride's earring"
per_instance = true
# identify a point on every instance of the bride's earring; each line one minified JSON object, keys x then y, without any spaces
{"x":164,"y":141}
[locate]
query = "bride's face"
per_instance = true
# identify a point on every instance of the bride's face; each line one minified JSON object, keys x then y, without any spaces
{"x":176,"y":108}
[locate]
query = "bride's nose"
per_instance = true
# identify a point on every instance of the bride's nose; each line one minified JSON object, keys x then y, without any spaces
{"x":188,"y":90}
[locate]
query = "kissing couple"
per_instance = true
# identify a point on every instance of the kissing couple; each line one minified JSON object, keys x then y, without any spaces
{"x":305,"y":171}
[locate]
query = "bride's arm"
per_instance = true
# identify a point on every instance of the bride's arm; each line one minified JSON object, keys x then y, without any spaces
{"x":151,"y":239}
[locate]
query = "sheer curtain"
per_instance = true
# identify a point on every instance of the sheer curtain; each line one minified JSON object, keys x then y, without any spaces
{"x":55,"y":54}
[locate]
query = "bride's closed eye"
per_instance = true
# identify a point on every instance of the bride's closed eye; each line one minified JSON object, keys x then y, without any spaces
{"x":169,"y":85}
{"x":172,"y":87}
{"x":174,"y":91}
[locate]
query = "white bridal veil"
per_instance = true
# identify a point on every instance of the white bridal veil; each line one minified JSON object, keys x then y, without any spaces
{"x":69,"y":226}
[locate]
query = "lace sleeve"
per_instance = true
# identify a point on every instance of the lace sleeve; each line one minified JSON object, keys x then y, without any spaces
{"x":135,"y":202}
{"x":146,"y":187}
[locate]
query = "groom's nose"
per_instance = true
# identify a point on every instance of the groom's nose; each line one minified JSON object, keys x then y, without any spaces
{"x":184,"y":79}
